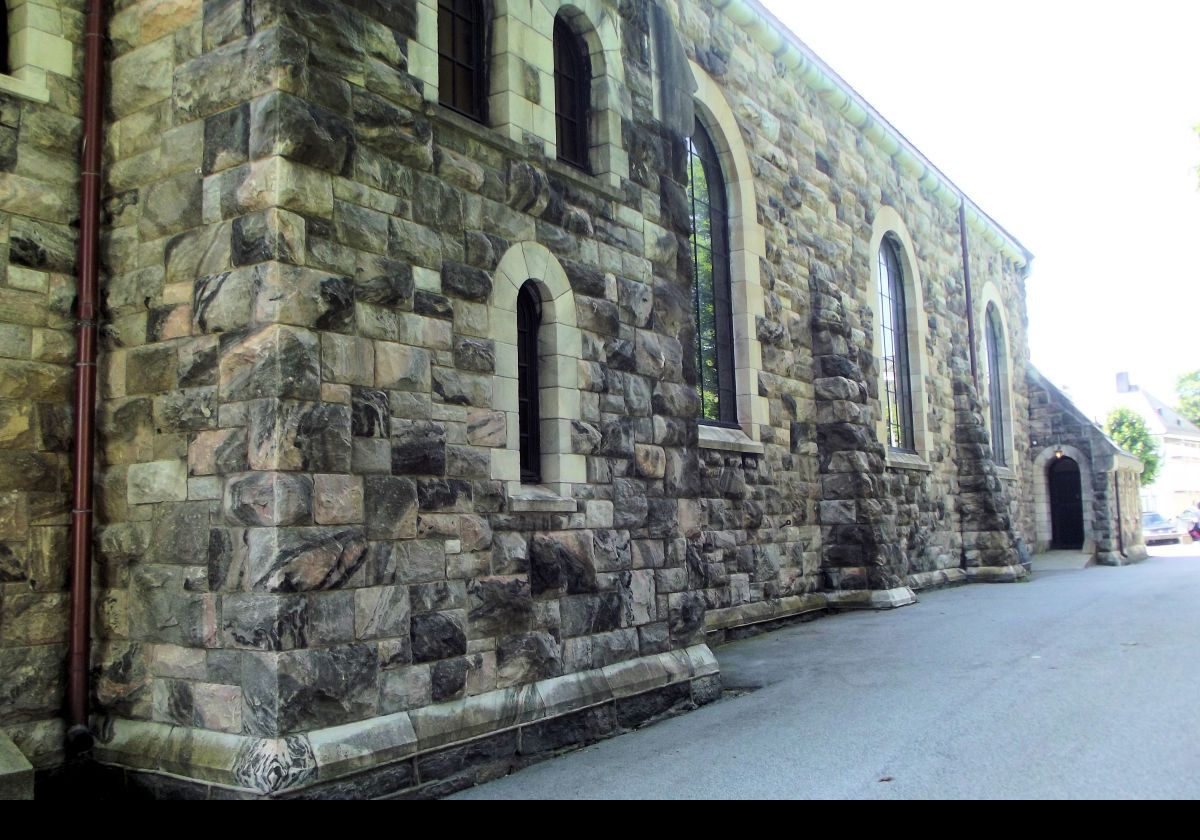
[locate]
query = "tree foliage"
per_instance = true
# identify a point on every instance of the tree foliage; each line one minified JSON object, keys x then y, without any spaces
{"x":1188,"y":389}
{"x":1129,"y":430}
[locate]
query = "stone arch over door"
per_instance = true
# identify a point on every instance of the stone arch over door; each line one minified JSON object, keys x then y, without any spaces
{"x":1041,"y":497}
{"x":560,"y":347}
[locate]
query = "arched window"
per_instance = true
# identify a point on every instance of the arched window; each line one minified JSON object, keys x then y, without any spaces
{"x":529,"y":318}
{"x":572,"y":88}
{"x":461,"y":58}
{"x":897,"y":378}
{"x":711,"y":281}
{"x":996,"y":385}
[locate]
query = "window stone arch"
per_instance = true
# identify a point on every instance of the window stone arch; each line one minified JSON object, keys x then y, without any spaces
{"x":747,"y":247}
{"x":888,"y":225}
{"x":560,"y":347}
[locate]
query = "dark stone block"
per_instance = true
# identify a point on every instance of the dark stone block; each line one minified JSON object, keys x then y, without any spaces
{"x":499,"y":606}
{"x":370,"y":413}
{"x":391,"y":507}
{"x":437,"y":636}
{"x":384,"y":282}
{"x":448,"y":763}
{"x":466,"y":282}
{"x":226,"y":138}
{"x":449,"y":679}
{"x":571,"y":730}
{"x":418,"y":447}
{"x":633,"y":712}
{"x":375,"y":783}
{"x":528,"y":658}
{"x":475,"y":354}
{"x":436,"y":494}
{"x":432,"y":305}
{"x":284,"y":125}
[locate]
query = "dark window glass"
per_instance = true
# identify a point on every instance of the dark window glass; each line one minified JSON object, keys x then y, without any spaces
{"x":897,"y":380}
{"x":4,"y":67}
{"x":995,"y":355}
{"x":460,"y":56}
{"x":710,"y":258}
{"x":529,"y":318}
{"x":572,"y":90}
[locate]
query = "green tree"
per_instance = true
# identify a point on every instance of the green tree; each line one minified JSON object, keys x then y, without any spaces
{"x":1188,"y":389}
{"x":1129,"y":430}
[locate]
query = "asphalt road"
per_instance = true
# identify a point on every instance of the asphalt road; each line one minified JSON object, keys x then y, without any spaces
{"x":1078,"y":684}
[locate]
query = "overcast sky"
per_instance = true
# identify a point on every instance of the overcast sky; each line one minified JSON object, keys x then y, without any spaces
{"x":1072,"y":125}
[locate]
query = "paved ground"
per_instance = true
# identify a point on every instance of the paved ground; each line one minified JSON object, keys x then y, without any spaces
{"x":1078,"y":684}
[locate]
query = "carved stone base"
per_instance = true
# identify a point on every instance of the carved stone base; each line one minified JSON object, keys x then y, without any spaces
{"x":866,"y":599}
{"x":425,"y":752}
{"x":940,"y":579}
{"x":997,"y":574}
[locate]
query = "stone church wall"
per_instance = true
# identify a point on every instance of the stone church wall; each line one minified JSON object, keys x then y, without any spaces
{"x":39,"y":140}
{"x":315,"y":556}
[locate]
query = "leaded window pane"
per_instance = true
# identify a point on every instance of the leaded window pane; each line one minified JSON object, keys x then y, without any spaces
{"x":995,"y":337}
{"x":711,"y":281}
{"x":460,"y":56}
{"x":896,"y":399}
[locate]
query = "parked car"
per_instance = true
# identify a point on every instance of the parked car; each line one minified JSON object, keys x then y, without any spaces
{"x":1156,"y":528}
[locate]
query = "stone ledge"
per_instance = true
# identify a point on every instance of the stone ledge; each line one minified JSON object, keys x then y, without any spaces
{"x":34,"y":91}
{"x":936,"y":579}
{"x":868,"y":599}
{"x":537,"y":499}
{"x":242,"y":765}
{"x":996,"y":574}
{"x":731,"y":440}
{"x":760,"y":612}
{"x":907,"y":461}
{"x":16,"y":773}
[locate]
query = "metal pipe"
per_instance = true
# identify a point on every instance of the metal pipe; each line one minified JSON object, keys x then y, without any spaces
{"x":87,"y":289}
{"x":966,"y":258}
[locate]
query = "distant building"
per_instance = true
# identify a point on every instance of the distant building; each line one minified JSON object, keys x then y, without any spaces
{"x":1178,"y":485}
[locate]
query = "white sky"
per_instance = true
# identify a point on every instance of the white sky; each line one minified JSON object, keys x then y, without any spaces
{"x":1070,"y":123}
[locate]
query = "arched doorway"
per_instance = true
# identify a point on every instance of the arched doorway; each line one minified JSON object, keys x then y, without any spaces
{"x":1066,"y":504}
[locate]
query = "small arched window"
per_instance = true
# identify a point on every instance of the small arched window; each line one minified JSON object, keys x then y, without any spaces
{"x":529,"y":319}
{"x":897,"y":378}
{"x":572,"y":90}
{"x":461,"y":59}
{"x":711,"y":280}
{"x":996,"y":387}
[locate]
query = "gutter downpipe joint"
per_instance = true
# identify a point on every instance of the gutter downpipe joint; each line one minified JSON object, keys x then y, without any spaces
{"x":79,"y":736}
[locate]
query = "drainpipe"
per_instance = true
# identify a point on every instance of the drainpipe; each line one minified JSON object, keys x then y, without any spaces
{"x":966,"y":258}
{"x":79,"y":738}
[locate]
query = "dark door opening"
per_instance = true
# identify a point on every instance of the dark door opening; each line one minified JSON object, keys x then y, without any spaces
{"x":1066,"y":505}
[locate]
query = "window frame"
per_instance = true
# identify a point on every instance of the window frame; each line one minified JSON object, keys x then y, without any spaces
{"x":996,"y":357}
{"x":529,"y":322}
{"x":572,"y":95}
{"x":702,"y":152}
{"x":471,"y":58}
{"x":893,"y":305}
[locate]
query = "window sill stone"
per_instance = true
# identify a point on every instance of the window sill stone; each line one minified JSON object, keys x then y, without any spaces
{"x":31,"y":89}
{"x":1006,"y":474}
{"x":907,"y":461}
{"x":730,"y":440}
{"x":537,"y":498}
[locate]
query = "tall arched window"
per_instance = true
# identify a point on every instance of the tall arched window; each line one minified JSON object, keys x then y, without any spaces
{"x":996,"y":386}
{"x":897,"y":378}
{"x":711,"y":281}
{"x":529,"y":318}
{"x":461,"y":59}
{"x":572,"y":91}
